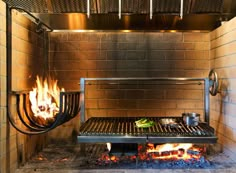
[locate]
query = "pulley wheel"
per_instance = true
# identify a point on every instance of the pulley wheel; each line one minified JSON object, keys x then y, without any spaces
{"x":214,"y":82}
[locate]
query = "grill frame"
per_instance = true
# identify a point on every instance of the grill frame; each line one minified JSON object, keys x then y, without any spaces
{"x":144,"y":138}
{"x":123,"y":130}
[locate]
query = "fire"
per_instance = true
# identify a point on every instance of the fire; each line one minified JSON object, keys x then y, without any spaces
{"x":109,"y":146}
{"x":173,"y":151}
{"x":44,"y":98}
{"x":183,"y":151}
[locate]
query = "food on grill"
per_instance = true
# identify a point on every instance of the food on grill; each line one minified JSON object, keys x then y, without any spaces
{"x":191,"y":118}
{"x":169,"y":122}
{"x":144,"y":123}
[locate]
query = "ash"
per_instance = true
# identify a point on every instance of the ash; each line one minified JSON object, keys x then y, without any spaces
{"x":96,"y":156}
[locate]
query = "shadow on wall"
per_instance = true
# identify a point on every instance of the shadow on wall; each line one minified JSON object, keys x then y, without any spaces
{"x":223,"y":92}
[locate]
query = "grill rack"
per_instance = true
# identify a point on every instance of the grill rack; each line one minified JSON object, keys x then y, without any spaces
{"x":123,"y":130}
{"x":99,"y":129}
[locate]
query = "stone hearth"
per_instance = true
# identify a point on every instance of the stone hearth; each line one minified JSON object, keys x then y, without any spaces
{"x":58,"y":158}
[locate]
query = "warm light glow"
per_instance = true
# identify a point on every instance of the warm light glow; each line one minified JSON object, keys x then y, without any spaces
{"x":44,"y":98}
{"x":188,"y":153}
{"x":167,"y":151}
{"x":109,"y":146}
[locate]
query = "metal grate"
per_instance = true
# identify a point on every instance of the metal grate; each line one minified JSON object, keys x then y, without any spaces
{"x":123,"y":129}
{"x":207,"y":6}
{"x":69,"y":6}
{"x":33,"y":6}
{"x":111,"y":6}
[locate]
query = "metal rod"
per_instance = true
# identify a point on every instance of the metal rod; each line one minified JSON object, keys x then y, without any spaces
{"x":88,"y":8}
{"x":145,"y":79}
{"x":151,"y":9}
{"x":21,"y":116}
{"x":37,"y":20}
{"x":181,"y":8}
{"x":207,"y":101}
{"x":27,"y":113}
{"x":9,"y":54}
{"x":119,"y":14}
{"x":83,"y":88}
{"x":119,"y":83}
{"x":82,"y":100}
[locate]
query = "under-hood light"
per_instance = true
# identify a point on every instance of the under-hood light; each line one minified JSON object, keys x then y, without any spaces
{"x":126,"y":30}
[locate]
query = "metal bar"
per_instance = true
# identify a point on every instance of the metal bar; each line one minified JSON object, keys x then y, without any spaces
{"x":207,"y":101}
{"x":112,"y":139}
{"x":145,"y":79}
{"x":37,"y":20}
{"x":174,"y":139}
{"x":151,"y":9}
{"x":82,"y":100}
{"x":88,"y":8}
{"x":181,"y":8}
{"x":119,"y":13}
{"x":83,"y":86}
{"x":27,"y":113}
{"x":20,"y":115}
{"x":144,"y":139}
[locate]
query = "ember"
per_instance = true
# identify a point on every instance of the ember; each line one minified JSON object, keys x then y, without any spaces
{"x":159,"y":156}
{"x":170,"y":151}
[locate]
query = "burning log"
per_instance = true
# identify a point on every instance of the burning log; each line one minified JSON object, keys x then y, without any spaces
{"x":42,"y":121}
{"x":44,"y":99}
{"x":165,"y":153}
{"x":181,"y":152}
{"x":194,"y":152}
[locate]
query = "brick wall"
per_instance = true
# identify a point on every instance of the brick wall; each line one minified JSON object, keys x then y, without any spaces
{"x":27,"y":60}
{"x":223,"y":59}
{"x":3,"y":118}
{"x":136,"y":54}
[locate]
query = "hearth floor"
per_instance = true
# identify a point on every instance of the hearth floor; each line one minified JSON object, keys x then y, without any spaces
{"x":68,"y":159}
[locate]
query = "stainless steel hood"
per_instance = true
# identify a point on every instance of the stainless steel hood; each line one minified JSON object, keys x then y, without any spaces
{"x":130,"y":14}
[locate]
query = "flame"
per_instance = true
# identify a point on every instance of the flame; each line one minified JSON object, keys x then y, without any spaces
{"x":44,"y":98}
{"x":149,"y":152}
{"x":169,"y":151}
{"x":109,"y":146}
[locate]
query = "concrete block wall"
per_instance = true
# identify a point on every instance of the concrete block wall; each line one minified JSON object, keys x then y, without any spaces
{"x":223,"y":107}
{"x":137,"y":54}
{"x":27,"y":61}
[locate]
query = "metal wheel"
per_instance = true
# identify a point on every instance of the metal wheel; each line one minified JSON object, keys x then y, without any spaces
{"x":214,"y":82}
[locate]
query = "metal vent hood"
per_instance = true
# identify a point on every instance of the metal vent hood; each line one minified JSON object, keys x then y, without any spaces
{"x":130,"y":14}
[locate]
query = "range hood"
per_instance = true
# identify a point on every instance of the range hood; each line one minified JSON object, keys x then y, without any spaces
{"x":130,"y":14}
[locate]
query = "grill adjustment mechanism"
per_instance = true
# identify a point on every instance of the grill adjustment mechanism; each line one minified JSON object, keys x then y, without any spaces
{"x":123,"y":129}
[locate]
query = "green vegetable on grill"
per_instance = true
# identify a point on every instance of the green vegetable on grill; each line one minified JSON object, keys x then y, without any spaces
{"x":144,"y":123}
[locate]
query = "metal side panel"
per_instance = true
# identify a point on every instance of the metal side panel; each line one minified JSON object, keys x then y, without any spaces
{"x":145,"y":139}
{"x":112,"y":139}
{"x":182,"y":139}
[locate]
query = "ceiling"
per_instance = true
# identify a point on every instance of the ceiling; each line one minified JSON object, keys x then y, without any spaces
{"x":152,"y":15}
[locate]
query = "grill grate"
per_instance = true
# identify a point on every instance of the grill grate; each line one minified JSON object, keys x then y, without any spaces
{"x":123,"y":129}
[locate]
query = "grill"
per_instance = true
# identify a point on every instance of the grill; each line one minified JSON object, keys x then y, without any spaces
{"x":123,"y":130}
